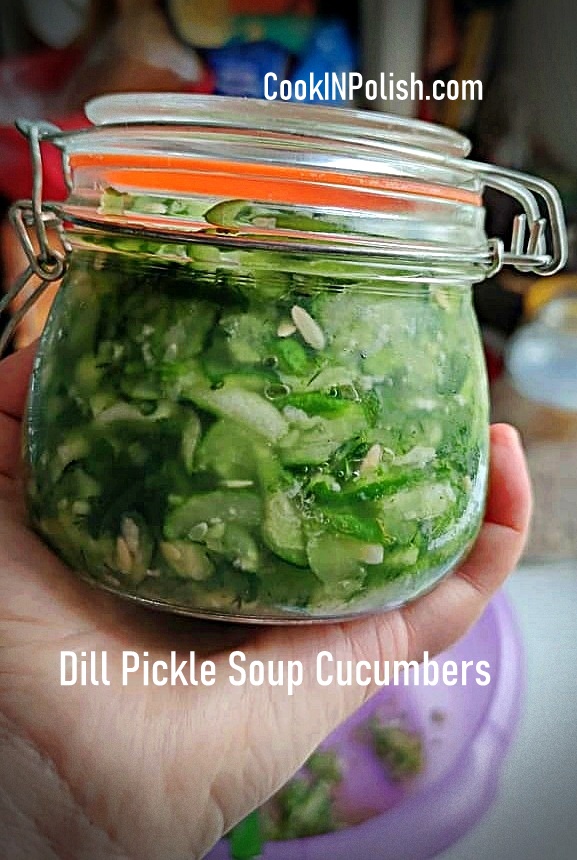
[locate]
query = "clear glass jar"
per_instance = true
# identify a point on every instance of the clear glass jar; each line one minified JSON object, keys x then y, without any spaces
{"x":261,"y":393}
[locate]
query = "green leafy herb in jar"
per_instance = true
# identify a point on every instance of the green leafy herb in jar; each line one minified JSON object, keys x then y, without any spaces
{"x":248,"y":433}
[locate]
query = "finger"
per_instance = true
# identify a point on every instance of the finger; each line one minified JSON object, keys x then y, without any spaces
{"x":511,"y":506}
{"x":438,"y":619}
{"x":14,"y":377}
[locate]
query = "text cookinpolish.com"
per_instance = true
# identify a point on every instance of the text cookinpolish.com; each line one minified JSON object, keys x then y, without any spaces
{"x":333,"y":87}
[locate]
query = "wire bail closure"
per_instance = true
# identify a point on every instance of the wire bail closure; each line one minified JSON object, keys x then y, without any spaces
{"x":48,"y":264}
{"x":528,"y":251}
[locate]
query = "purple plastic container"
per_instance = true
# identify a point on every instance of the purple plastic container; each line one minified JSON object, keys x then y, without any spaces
{"x":464,"y":752}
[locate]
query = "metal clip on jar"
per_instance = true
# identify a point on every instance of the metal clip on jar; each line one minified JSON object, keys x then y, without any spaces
{"x":261,"y":393}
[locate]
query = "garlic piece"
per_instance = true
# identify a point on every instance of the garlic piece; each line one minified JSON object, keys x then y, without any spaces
{"x":309,"y":330}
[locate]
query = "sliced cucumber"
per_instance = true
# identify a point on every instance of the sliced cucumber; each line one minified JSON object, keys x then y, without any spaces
{"x":313,"y":440}
{"x":242,"y":406}
{"x":246,"y":408}
{"x":335,"y":558}
{"x":244,"y":213}
{"x":282,"y":529}
{"x":364,"y":528}
{"x":248,"y":430}
{"x":240,"y":506}
{"x":240,"y":548}
{"x":246,"y":335}
{"x":227,"y":450}
{"x":292,"y":357}
{"x":423,"y":502}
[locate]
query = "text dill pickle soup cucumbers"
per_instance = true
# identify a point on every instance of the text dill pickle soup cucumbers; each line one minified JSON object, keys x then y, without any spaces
{"x":256,"y":433}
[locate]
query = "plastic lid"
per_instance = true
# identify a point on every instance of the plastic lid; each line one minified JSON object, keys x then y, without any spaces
{"x":465,"y":752}
{"x":326,"y":122}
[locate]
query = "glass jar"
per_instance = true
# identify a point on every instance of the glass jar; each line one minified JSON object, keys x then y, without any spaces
{"x":261,"y":393}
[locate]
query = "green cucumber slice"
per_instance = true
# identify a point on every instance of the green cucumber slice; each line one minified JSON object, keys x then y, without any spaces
{"x":282,"y":529}
{"x":240,"y":548}
{"x":227,"y":450}
{"x":243,"y":213}
{"x":335,"y":558}
{"x":313,"y":440}
{"x":423,"y":502}
{"x":245,"y":407}
{"x":240,"y":506}
{"x":242,"y":406}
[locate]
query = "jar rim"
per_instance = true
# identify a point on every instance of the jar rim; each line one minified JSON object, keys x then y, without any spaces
{"x":176,"y":132}
{"x":404,"y":185}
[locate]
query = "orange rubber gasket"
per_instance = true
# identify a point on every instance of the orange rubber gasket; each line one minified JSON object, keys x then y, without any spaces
{"x":264,"y":182}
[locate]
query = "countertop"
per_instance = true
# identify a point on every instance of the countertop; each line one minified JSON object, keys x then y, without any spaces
{"x":535,"y":813}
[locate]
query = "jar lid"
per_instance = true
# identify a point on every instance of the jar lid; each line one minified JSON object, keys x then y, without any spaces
{"x":311,"y":179}
{"x":278,"y":153}
{"x":341,"y":125}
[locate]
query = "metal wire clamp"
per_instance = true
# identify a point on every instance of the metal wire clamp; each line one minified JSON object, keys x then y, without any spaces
{"x":48,"y":264}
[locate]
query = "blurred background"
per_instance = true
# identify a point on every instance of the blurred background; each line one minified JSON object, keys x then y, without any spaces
{"x":54,"y":56}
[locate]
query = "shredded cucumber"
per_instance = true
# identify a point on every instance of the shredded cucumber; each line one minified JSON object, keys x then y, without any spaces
{"x":282,"y":529}
{"x":197,"y":440}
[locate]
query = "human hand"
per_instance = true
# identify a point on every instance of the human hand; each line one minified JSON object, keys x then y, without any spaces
{"x":153,"y":772}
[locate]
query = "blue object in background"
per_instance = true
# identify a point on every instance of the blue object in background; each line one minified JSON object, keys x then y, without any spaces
{"x":331,"y":50}
{"x":240,"y":68}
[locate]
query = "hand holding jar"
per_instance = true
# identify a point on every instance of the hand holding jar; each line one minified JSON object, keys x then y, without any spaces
{"x":154,"y":772}
{"x":260,"y":397}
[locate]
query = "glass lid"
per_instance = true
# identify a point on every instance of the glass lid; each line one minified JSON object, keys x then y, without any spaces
{"x":326,"y":122}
